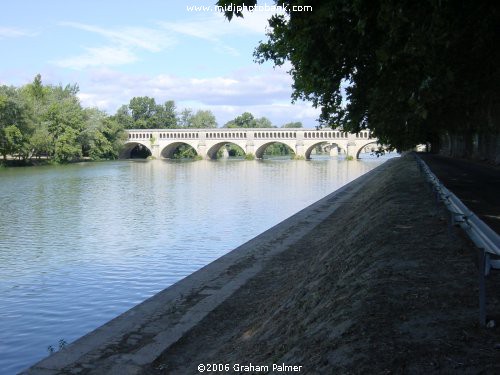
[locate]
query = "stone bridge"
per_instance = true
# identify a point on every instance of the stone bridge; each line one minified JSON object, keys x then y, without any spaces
{"x":162,"y":143}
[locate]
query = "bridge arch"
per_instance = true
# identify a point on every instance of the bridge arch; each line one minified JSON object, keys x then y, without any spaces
{"x":311,"y":147}
{"x":169,"y":150}
{"x":129,"y":147}
{"x":259,"y":152}
{"x":341,"y":149}
{"x":212,"y":151}
{"x":363,"y":146}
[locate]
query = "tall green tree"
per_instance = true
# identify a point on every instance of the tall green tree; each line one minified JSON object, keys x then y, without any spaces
{"x":124,"y":118}
{"x":143,"y":112}
{"x":66,"y":147}
{"x":14,"y":122}
{"x":412,"y":71}
{"x":102,"y":136}
{"x":169,"y":115}
{"x":245,"y":120}
{"x":41,"y":142}
{"x":185,"y":118}
{"x":11,"y":141}
{"x":64,"y":119}
{"x":203,"y":119}
{"x":263,"y":122}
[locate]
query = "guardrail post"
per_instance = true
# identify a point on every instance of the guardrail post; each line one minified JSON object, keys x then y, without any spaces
{"x":482,"y":287}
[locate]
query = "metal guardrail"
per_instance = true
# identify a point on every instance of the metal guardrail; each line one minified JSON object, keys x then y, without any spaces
{"x":485,"y":238}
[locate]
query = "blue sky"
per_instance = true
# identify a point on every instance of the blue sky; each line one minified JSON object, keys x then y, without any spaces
{"x":116,"y":50}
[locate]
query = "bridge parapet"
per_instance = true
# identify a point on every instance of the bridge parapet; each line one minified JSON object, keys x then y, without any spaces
{"x":251,"y":140}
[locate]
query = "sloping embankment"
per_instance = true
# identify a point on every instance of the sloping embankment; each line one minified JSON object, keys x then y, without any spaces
{"x":366,"y":280}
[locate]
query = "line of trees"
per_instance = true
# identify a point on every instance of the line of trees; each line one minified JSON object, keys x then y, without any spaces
{"x":144,"y":113}
{"x":47,"y":121}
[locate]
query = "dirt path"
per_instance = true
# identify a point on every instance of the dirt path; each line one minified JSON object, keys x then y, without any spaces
{"x":463,"y":177}
{"x":381,"y":286}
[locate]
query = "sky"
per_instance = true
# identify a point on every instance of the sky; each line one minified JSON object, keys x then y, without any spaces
{"x":116,"y":50}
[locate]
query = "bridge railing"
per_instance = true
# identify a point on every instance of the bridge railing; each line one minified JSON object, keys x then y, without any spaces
{"x":485,"y":238}
{"x":245,"y":133}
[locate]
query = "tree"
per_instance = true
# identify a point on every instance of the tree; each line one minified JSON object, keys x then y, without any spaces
{"x":143,"y":113}
{"x":41,"y":141}
{"x":124,"y":118}
{"x":36,"y":90}
{"x":142,"y":110}
{"x":14,"y":122}
{"x":66,"y":147}
{"x":263,"y":122}
{"x":64,"y":120}
{"x":102,"y":136}
{"x":245,"y":120}
{"x":296,"y":124}
{"x":412,"y":71}
{"x":11,"y":141}
{"x":203,"y":120}
{"x":185,"y":118}
{"x":169,"y":115}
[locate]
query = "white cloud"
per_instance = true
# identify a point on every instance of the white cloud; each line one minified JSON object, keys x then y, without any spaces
{"x":261,"y":91}
{"x":215,"y":26}
{"x":12,"y":32}
{"x":122,"y":48}
{"x":138,"y":37}
{"x":250,"y":86}
{"x":99,"y":56}
{"x":123,"y":44}
{"x":216,"y":29}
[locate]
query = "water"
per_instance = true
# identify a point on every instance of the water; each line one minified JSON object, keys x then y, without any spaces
{"x":82,"y":243}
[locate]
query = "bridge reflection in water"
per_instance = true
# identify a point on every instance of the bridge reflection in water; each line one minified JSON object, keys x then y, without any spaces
{"x":162,"y":143}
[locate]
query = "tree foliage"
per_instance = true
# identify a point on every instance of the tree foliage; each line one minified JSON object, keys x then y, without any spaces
{"x":247,"y":120}
{"x":143,"y":112}
{"x":411,"y":71}
{"x":296,"y":124}
{"x":16,"y":123}
{"x":48,"y":121}
{"x":202,"y":119}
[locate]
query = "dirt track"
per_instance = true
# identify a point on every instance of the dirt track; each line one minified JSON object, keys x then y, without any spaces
{"x":476,"y":184}
{"x":380,"y":287}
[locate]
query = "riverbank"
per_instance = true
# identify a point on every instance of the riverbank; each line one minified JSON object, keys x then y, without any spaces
{"x":365,"y":280}
{"x":15,"y":163}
